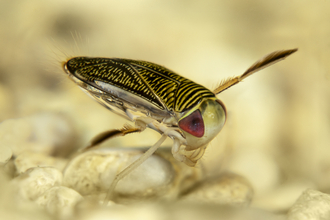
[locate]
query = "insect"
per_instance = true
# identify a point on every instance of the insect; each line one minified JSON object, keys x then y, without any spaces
{"x":155,"y":97}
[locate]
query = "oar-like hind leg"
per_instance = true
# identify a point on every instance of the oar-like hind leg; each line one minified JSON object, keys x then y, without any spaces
{"x":117,"y":133}
{"x":132,"y":166}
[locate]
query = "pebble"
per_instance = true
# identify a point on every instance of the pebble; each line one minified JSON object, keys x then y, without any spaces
{"x":36,"y":181}
{"x":59,"y":200}
{"x":228,"y":188}
{"x":92,"y":172}
{"x":29,"y":160}
{"x":13,"y":206}
{"x":311,"y":205}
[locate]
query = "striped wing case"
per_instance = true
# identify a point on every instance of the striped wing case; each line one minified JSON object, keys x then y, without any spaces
{"x":156,"y":84}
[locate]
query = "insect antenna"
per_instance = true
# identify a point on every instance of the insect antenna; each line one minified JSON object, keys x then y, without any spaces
{"x":267,"y":60}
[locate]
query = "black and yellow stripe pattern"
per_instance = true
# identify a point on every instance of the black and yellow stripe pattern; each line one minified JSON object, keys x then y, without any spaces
{"x":154,"y":83}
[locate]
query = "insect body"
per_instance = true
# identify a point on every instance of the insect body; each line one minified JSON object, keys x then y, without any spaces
{"x":153,"y":96}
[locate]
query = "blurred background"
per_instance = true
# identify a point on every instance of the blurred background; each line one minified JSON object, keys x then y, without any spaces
{"x":277,"y":133}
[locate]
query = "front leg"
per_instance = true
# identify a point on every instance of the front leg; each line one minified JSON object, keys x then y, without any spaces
{"x":179,"y":141}
{"x":188,"y":157}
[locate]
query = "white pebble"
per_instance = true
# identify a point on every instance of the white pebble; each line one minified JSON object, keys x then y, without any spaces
{"x":228,"y":188}
{"x":93,"y":171}
{"x":311,"y":205}
{"x":28,"y":160}
{"x":151,"y":177}
{"x":35,"y":181}
{"x":59,"y":200}
{"x":159,"y":176}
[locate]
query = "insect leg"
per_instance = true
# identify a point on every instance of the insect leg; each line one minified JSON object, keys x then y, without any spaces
{"x":106,"y":135}
{"x":132,"y":166}
{"x":188,"y":157}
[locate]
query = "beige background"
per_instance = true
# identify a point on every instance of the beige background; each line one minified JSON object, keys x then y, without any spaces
{"x":278,"y":126}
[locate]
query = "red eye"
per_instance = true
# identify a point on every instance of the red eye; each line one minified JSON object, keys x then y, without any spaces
{"x":193,"y":124}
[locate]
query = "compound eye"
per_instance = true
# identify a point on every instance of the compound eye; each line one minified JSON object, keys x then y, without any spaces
{"x":193,"y":124}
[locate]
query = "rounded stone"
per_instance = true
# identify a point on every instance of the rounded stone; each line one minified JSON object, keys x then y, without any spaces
{"x":35,"y":181}
{"x":29,"y":160}
{"x":160,"y":176}
{"x":311,"y":205}
{"x":228,"y":188}
{"x":59,"y":200}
